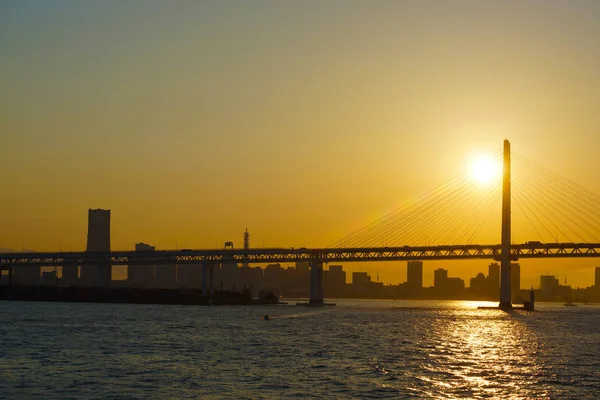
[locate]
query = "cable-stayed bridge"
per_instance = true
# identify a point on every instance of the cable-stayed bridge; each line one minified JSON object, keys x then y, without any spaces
{"x":454,"y":213}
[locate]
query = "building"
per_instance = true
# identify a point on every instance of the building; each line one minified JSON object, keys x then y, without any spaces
{"x":445,"y":287}
{"x":228,"y":277}
{"x":597,"y":280}
{"x":414,"y":274}
{"x":548,"y":283}
{"x":440,"y":276}
{"x":98,"y":240}
{"x":479,"y":286}
{"x":361,"y":278}
{"x":494,"y":280}
{"x":414,"y":278}
{"x":337,"y":276}
{"x":515,"y":280}
{"x":274,"y":276}
{"x":141,"y":276}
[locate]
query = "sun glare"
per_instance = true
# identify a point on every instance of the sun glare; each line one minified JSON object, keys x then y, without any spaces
{"x":485,"y":170}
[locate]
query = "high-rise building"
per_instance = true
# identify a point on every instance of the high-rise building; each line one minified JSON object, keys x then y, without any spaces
{"x":440,"y":276}
{"x":494,"y":277}
{"x":337,"y":276}
{"x":414,"y":275}
{"x":141,"y":276}
{"x":515,"y":279}
{"x":98,"y":240}
{"x":597,"y":280}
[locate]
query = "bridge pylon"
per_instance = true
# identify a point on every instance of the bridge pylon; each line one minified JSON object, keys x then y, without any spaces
{"x":505,"y":256}
{"x":316,"y":283}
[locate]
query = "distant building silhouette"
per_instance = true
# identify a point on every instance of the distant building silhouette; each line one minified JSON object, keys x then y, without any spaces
{"x":494,"y":281}
{"x":414,"y":277}
{"x":98,"y":240}
{"x":361,"y":278}
{"x":440,"y":276}
{"x":597,"y":280}
{"x":336,"y":279}
{"x":445,"y":287}
{"x":515,"y":279}
{"x":479,"y":286}
{"x":274,"y":276}
{"x":548,"y":283}
{"x":141,"y":276}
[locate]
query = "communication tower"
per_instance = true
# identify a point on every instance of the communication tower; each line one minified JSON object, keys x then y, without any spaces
{"x":246,"y":245}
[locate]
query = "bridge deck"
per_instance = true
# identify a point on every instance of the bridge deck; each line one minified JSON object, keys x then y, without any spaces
{"x":326,"y":255}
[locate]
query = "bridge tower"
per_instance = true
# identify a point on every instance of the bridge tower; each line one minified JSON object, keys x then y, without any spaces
{"x":316,"y":283}
{"x":505,"y":257}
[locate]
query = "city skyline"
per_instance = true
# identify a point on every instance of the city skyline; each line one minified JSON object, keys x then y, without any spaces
{"x":243,"y":117}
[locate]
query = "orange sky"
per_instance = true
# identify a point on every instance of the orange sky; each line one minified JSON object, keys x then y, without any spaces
{"x":301,"y":121}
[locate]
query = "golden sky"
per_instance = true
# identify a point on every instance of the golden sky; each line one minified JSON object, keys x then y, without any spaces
{"x":301,"y":121}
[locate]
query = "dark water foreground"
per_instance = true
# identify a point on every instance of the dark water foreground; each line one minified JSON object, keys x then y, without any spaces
{"x":359,"y":349}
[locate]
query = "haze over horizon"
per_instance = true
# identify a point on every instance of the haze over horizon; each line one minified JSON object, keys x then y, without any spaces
{"x":301,"y":121}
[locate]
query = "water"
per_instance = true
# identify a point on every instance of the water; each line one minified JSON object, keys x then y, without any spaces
{"x":359,"y":349}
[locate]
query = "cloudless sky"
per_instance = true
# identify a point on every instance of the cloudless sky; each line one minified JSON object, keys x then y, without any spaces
{"x":300,"y":120}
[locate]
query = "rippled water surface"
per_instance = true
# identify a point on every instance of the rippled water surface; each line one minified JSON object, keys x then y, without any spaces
{"x":359,"y":349}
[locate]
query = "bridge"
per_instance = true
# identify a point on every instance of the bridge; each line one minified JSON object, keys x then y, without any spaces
{"x":358,"y":246}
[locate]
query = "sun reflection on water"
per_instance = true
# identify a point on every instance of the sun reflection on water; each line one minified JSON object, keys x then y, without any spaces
{"x":480,"y":353}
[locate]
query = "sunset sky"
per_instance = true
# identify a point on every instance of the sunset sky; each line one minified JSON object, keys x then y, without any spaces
{"x":301,"y":121}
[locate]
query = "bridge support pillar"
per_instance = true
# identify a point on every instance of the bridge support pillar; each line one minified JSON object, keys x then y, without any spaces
{"x":505,"y":256}
{"x":316,"y":283}
{"x":208,"y":277}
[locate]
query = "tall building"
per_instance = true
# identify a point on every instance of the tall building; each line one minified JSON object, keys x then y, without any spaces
{"x":515,"y":279}
{"x":414,"y":275}
{"x":440,"y":276}
{"x":337,"y":275}
{"x":597,"y":280}
{"x":494,"y":277}
{"x":141,"y":276}
{"x":98,"y":240}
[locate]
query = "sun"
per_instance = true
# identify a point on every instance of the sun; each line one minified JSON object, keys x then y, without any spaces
{"x":484,"y":169}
